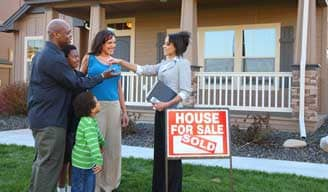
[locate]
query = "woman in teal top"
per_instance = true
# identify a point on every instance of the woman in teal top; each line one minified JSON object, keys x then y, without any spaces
{"x":111,"y":97}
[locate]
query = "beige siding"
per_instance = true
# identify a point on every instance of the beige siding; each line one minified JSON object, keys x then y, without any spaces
{"x":7,"y":39}
{"x":4,"y":75}
{"x":147,"y":27}
{"x":7,"y":43}
{"x":322,"y":31}
{"x":30,"y":25}
{"x":149,"y":23}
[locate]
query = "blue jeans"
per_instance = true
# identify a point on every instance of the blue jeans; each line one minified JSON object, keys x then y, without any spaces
{"x":83,"y":180}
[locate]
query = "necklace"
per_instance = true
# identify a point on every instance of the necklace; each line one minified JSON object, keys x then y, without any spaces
{"x":102,"y":59}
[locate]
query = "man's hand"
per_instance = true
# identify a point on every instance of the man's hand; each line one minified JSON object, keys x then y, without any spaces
{"x":109,"y":73}
{"x":96,"y":169}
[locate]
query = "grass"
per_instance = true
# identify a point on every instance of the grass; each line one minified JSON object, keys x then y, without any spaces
{"x":15,"y":164}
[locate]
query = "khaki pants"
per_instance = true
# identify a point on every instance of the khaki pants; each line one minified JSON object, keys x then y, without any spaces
{"x":109,"y":121}
{"x":49,"y":157}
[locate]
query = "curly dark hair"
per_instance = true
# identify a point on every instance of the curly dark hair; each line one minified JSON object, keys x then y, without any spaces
{"x":100,"y":39}
{"x":180,"y":41}
{"x":67,"y":49}
{"x":83,"y":104}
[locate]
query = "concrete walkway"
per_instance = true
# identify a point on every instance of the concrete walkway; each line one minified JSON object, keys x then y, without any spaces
{"x":316,"y":170}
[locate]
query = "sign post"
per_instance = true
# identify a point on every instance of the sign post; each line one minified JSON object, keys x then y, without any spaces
{"x":197,"y":133}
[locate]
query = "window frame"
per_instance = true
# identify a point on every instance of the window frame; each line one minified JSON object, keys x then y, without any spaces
{"x":26,"y":39}
{"x":238,"y":59}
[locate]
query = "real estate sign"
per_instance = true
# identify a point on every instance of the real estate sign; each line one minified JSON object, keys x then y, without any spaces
{"x":197,"y":133}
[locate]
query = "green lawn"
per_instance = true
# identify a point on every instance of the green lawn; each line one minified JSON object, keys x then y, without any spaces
{"x":15,"y":164}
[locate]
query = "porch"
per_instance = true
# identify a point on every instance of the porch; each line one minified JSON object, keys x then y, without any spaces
{"x":248,"y":58}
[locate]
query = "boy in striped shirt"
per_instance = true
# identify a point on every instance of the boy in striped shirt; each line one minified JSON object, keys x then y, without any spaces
{"x":87,"y":157}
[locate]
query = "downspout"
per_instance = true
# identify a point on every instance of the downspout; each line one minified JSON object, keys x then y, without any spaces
{"x":305,"y":22}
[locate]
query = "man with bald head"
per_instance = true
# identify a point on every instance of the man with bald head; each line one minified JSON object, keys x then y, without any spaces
{"x":50,"y":90}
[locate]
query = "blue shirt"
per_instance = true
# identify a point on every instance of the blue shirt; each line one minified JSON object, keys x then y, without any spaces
{"x":108,"y":89}
{"x":51,"y":86}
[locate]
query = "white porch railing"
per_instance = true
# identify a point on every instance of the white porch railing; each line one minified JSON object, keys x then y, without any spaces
{"x":245,"y":91}
{"x":136,"y":88}
{"x":269,"y":92}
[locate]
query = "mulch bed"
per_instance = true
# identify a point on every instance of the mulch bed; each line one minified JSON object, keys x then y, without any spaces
{"x":271,"y":147}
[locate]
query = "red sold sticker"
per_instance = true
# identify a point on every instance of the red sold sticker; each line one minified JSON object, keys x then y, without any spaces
{"x":197,"y":133}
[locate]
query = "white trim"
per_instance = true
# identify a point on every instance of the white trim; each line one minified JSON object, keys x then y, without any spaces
{"x":130,"y":32}
{"x":238,"y":41}
{"x":28,"y":38}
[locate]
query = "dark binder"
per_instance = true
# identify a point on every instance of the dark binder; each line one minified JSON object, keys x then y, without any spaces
{"x":160,"y":92}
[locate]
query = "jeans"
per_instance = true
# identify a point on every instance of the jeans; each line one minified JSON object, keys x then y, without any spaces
{"x":83,"y":180}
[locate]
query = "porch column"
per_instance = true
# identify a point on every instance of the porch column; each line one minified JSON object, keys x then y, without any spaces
{"x":312,"y":69}
{"x":188,"y":22}
{"x":49,"y":14}
{"x":97,"y":21}
{"x":324,"y":62}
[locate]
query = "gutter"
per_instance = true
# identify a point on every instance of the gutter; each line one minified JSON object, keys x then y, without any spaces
{"x":305,"y":22}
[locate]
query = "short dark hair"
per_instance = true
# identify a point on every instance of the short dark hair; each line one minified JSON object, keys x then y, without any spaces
{"x":180,"y":41}
{"x":67,"y":49}
{"x":83,"y":104}
{"x":100,"y":38}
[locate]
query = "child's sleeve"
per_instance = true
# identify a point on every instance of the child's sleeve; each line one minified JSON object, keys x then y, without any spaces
{"x":101,"y":139}
{"x":91,"y":134}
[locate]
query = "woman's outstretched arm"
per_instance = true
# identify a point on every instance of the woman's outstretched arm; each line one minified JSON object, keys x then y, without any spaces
{"x":140,"y":70}
{"x":123,"y":63}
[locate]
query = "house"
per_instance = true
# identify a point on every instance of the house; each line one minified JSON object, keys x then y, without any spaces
{"x":7,"y":41}
{"x":247,"y":55}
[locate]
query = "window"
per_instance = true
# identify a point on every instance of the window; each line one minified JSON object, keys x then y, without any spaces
{"x":219,"y":52}
{"x":259,"y":50}
{"x":31,"y":47}
{"x":246,"y":48}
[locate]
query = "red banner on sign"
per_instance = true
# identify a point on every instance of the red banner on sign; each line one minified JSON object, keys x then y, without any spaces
{"x":197,"y":133}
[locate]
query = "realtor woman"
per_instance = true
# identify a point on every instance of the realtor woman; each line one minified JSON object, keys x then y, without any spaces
{"x":175,"y":72}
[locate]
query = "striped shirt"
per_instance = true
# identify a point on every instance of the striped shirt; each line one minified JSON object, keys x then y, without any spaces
{"x":86,"y":151}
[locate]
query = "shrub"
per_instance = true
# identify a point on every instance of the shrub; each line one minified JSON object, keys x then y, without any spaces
{"x":257,"y":132}
{"x":13,"y":99}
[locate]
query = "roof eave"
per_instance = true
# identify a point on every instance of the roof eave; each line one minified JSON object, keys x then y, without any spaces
{"x":44,"y":1}
{"x":8,"y":25}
